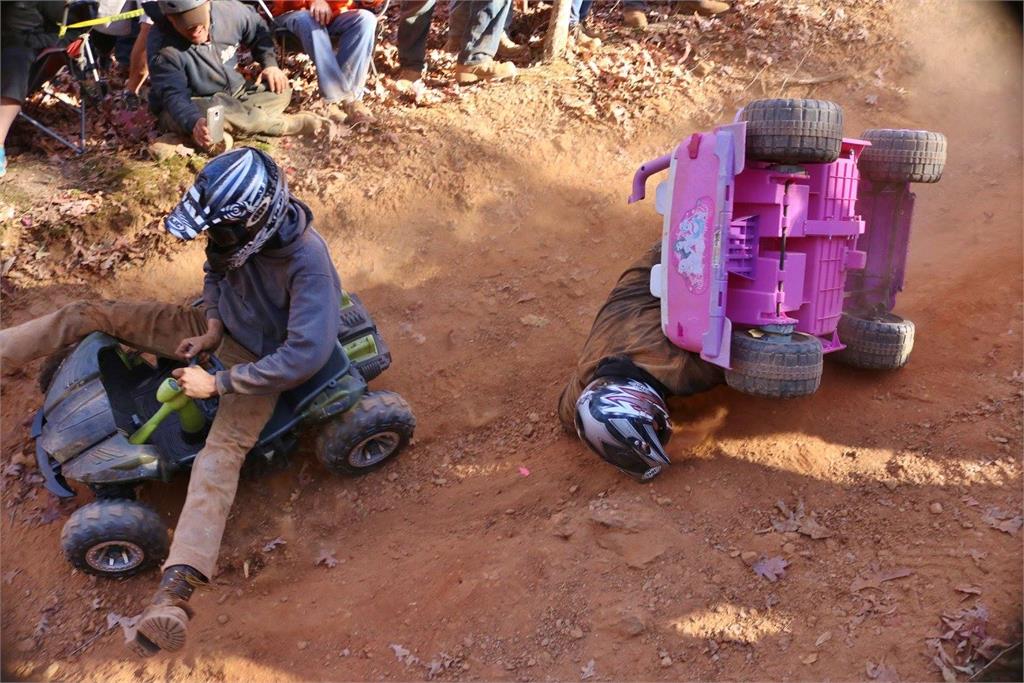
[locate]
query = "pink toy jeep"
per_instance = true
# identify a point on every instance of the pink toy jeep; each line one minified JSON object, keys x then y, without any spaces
{"x":775,"y":249}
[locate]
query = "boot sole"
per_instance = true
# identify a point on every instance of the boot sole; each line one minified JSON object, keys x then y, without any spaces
{"x":166,"y":628}
{"x":464,"y":78}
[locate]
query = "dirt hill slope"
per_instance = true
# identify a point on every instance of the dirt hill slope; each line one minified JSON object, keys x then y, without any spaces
{"x":484,"y":237}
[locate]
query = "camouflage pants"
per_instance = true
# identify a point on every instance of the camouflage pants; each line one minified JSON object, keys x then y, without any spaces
{"x":627,"y":333}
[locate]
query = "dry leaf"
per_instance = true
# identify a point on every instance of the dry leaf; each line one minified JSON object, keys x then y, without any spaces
{"x":771,"y":568}
{"x":878,"y":578}
{"x":809,"y":659}
{"x":969,"y":590}
{"x":881,"y":672}
{"x":823,"y":638}
{"x":326,"y":558}
{"x":272,"y":545}
{"x":799,"y":521}
{"x":1009,"y":526}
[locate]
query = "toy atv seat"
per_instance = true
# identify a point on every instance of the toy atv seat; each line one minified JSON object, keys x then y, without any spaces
{"x":775,"y":251}
{"x":98,"y":426}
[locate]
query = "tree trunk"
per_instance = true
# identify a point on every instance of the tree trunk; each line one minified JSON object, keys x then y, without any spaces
{"x":558,"y":31}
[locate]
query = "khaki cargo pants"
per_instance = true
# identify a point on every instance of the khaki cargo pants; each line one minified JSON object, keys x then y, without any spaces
{"x":628,"y":327}
{"x":158,"y":328}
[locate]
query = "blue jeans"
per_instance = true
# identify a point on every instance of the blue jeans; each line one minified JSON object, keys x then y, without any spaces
{"x":581,"y":8}
{"x":341,"y":75}
{"x":484,"y":23}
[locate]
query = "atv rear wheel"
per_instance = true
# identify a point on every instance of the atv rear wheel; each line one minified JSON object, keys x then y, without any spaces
{"x":794,"y":131}
{"x":114,"y":538}
{"x":375,"y":430}
{"x":881,"y":342}
{"x":775,"y":365}
{"x":901,"y":156}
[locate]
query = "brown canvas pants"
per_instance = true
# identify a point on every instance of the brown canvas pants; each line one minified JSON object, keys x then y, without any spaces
{"x":628,"y":327}
{"x":158,"y":328}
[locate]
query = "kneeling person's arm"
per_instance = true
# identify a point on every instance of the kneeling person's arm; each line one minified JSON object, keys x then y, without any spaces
{"x":312,"y":334}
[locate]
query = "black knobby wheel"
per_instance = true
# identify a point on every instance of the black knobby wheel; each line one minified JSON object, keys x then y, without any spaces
{"x":375,"y":430}
{"x":900,"y":156}
{"x":775,"y":365}
{"x":114,"y":538}
{"x":878,"y":342}
{"x":794,"y":131}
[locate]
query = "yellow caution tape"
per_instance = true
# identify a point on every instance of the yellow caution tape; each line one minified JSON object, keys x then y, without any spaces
{"x":131,"y":14}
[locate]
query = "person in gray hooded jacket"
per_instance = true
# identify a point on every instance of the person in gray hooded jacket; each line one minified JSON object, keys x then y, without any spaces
{"x":193,"y":58}
{"x":271,"y":310}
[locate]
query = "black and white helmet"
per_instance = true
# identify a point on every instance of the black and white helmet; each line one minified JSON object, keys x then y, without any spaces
{"x":240,"y":198}
{"x":626,"y":423}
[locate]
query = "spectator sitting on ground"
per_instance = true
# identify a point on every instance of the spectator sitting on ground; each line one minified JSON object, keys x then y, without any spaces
{"x":478,"y":44}
{"x":341,"y":76}
{"x":193,"y":54}
{"x":27,"y":28}
{"x":459,"y":14}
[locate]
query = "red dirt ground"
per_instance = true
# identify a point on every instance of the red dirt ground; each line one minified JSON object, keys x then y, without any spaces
{"x":455,"y":556}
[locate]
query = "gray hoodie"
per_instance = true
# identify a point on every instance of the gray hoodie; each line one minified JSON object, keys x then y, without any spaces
{"x":283,"y":304}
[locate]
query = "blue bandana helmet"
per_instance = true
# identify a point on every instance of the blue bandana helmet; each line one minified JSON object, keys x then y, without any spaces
{"x":240,"y":199}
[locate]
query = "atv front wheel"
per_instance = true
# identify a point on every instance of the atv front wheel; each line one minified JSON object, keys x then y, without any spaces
{"x":114,"y":538}
{"x":372,"y":432}
{"x":794,"y":131}
{"x":881,"y":342}
{"x":775,"y":365}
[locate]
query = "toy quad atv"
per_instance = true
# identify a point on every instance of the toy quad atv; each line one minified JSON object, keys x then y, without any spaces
{"x":113,"y":420}
{"x":775,"y":251}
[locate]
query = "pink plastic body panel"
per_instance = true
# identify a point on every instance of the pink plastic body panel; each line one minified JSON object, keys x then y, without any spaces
{"x":787,"y":242}
{"x":687,"y":244}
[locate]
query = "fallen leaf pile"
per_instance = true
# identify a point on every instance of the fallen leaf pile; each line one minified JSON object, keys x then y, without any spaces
{"x":799,"y":521}
{"x":964,"y":646}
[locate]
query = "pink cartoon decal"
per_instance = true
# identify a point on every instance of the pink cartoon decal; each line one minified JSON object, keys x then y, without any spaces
{"x":689,"y":244}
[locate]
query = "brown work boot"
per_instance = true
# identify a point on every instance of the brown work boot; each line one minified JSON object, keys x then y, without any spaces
{"x":491,"y":70}
{"x":357,"y":113}
{"x":303,"y":123}
{"x":508,"y":49}
{"x":635,"y":18}
{"x":409,"y":75}
{"x":704,"y":8}
{"x":583,"y":41}
{"x":163,"y":625}
{"x":453,"y":44}
{"x":591,"y":31}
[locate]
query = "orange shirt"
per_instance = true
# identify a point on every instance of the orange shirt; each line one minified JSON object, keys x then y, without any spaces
{"x":279,"y":7}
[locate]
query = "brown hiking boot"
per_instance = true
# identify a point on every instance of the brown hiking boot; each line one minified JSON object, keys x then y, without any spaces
{"x":358,"y":113}
{"x":303,"y":123}
{"x":591,"y":32}
{"x":583,"y":41}
{"x":490,"y":70}
{"x":703,"y":7}
{"x":164,"y":624}
{"x":635,"y":18}
{"x":454,"y":44}
{"x":409,"y":75}
{"x":508,"y":49}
